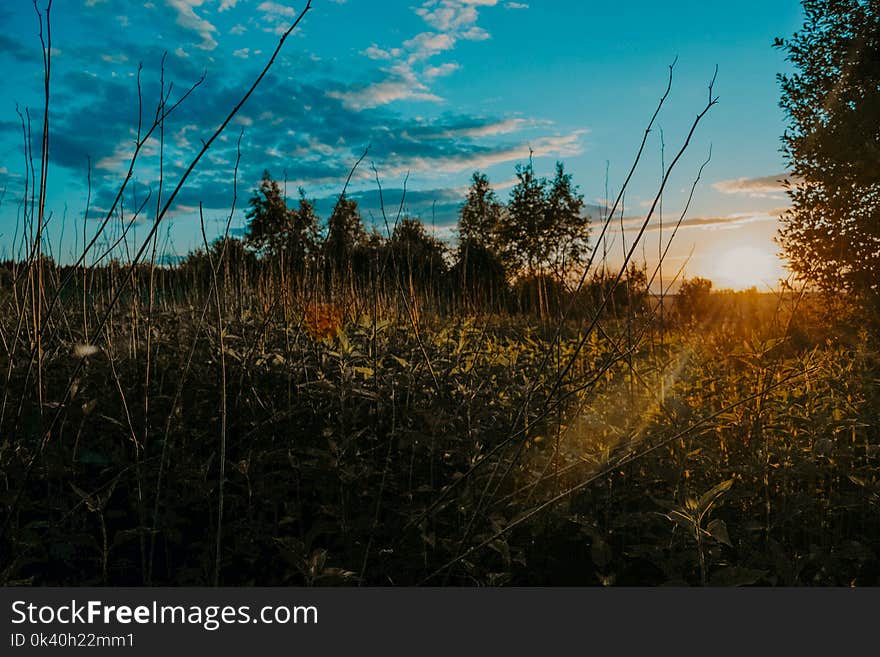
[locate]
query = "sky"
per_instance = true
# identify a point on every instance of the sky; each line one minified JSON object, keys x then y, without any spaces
{"x":435,"y":89}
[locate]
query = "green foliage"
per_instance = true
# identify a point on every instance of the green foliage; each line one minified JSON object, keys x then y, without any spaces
{"x":364,"y":457}
{"x":345,"y":231}
{"x":481,"y":214}
{"x":269,"y":218}
{"x":569,"y":226}
{"x":416,"y":255}
{"x":479,"y":273}
{"x":275,"y":229}
{"x":523,"y":230}
{"x":544,"y":228}
{"x":831,"y":235}
{"x":693,"y":297}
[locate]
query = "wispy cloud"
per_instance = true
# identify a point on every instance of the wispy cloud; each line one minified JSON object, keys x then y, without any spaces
{"x":727,"y":222}
{"x":401,"y":84}
{"x":478,"y":158}
{"x":276,"y":16}
{"x":756,"y":187}
{"x":375,"y":52}
{"x":441,"y":71}
{"x":189,"y":19}
{"x":408,"y":74}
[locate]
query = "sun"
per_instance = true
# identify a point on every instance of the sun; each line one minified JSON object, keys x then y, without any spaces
{"x":742,"y":267}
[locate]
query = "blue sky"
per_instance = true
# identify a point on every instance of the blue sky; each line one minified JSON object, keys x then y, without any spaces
{"x":436,"y":88}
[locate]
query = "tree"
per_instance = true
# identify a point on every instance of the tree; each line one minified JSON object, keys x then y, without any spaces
{"x":693,"y":297}
{"x":523,"y":233}
{"x":480,"y":273}
{"x":302,"y":236}
{"x":269,"y":218}
{"x":416,"y":256}
{"x":345,"y":231}
{"x":545,"y":228}
{"x":831,"y":234}
{"x":569,"y":226}
{"x":480,"y":215}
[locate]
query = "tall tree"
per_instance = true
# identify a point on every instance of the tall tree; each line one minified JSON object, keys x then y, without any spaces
{"x":302,"y":236}
{"x":480,"y":272}
{"x":569,"y":226}
{"x":523,"y":233}
{"x":416,"y":255}
{"x":345,"y":230}
{"x":831,"y":234}
{"x":269,"y":218}
{"x":480,"y":215}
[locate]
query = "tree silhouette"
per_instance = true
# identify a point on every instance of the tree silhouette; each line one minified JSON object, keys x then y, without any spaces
{"x":569,"y":227}
{"x":481,"y":213}
{"x":269,"y":219}
{"x":417,"y":257}
{"x":345,"y":230}
{"x":831,"y":234}
{"x":479,"y":270}
{"x":302,"y":237}
{"x":523,"y":233}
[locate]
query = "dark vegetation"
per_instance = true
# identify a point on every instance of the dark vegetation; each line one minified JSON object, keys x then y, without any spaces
{"x":324,"y":404}
{"x":832,"y":233}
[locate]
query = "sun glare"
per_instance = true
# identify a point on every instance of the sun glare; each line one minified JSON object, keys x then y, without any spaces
{"x":742,"y":267}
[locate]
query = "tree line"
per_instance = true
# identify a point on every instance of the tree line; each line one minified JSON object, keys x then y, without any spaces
{"x":526,"y":248}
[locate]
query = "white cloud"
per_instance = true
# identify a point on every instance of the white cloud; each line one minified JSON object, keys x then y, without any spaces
{"x":276,"y":16}
{"x":727,"y":222}
{"x":382,"y":93}
{"x":189,"y":19}
{"x":476,"y":34}
{"x":515,"y":5}
{"x":503,"y":127}
{"x":375,"y":52}
{"x":441,"y":71}
{"x":276,"y":9}
{"x":451,"y":21}
{"x":448,"y":15}
{"x":557,"y":146}
{"x":428,"y":44}
{"x":118,"y":58}
{"x":755,"y":187}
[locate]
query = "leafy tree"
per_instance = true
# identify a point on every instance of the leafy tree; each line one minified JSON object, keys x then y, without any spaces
{"x":302,"y":236}
{"x":480,"y":273}
{"x":569,"y":226}
{"x":523,"y":233}
{"x":345,"y":230}
{"x":831,"y":234}
{"x":545,"y":228}
{"x":269,"y":218}
{"x":416,"y":256}
{"x":481,"y":213}
{"x":693,"y":297}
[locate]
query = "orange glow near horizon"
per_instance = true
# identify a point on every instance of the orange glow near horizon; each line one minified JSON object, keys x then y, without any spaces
{"x":745,"y":266}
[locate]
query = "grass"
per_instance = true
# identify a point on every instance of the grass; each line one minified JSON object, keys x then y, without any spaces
{"x":246,"y":421}
{"x":742,"y":448}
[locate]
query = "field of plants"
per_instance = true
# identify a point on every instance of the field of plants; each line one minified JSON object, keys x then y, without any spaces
{"x":733,"y":443}
{"x":327,"y":401}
